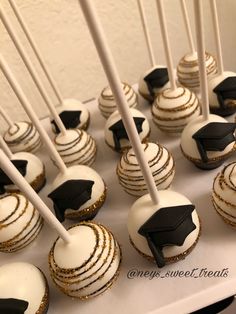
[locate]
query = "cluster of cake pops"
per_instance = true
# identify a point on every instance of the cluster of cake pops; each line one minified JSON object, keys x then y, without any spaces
{"x":163,"y":225}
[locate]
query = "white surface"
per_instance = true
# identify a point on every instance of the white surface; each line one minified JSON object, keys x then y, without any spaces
{"x":215,"y":250}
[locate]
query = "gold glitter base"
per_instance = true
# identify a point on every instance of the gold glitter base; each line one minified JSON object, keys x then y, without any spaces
{"x":123,"y":149}
{"x":227,"y":221}
{"x":172,"y":259}
{"x":43,"y":308}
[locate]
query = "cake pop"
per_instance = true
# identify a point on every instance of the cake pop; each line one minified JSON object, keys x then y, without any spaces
{"x":30,"y":166}
{"x":23,"y":289}
{"x":156,"y":79}
{"x":223,"y":194}
{"x":185,"y":224}
{"x":21,"y":136}
{"x":72,"y":112}
{"x":71,"y":181}
{"x":65,"y":136}
{"x":84,"y":248}
{"x":20,"y":222}
{"x":160,"y":161}
{"x":106,"y":100}
{"x":188,"y":68}
{"x":176,"y":106}
{"x":221,"y":87}
{"x":115,"y":134}
{"x":208,"y":140}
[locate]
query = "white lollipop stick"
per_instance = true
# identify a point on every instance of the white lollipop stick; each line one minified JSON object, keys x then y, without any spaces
{"x":30,"y":67}
{"x":166,"y":43}
{"x":5,"y":148}
{"x":25,"y":103}
{"x":187,"y":25}
{"x":201,"y":58}
{"x":6,"y":118}
{"x":146,"y":32}
{"x":32,"y":196}
{"x":216,"y":29}
{"x":36,"y":50}
{"x":108,"y":63}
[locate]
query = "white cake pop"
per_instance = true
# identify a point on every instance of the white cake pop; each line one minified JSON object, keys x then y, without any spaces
{"x":22,"y":137}
{"x":115,"y":134}
{"x":20,"y":222}
{"x":160,"y":161}
{"x":188,"y":69}
{"x":223,"y":194}
{"x":73,"y":114}
{"x":94,"y":260}
{"x":174,"y":109}
{"x":23,"y":288}
{"x":143,"y":211}
{"x":76,"y":147}
{"x":106,"y":100}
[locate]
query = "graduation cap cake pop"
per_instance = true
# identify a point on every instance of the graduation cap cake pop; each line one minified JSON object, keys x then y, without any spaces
{"x":115,"y":134}
{"x":156,"y":80}
{"x":70,"y":120}
{"x":167,"y":226}
{"x":71,"y":194}
{"x":20,"y":166}
{"x":13,"y":306}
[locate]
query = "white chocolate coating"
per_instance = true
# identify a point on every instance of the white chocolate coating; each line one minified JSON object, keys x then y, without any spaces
{"x":26,"y":282}
{"x":160,"y":161}
{"x":124,"y":143}
{"x":173,"y":110}
{"x":76,"y":147}
{"x":71,"y":104}
{"x":81,"y":172}
{"x":93,"y":258}
{"x":188,"y":144}
{"x":106,"y":100}
{"x":224,"y":192}
{"x":143,"y":88}
{"x":212,"y":83}
{"x":144,"y":208}
{"x":20,"y":222}
{"x":23,"y":137}
{"x":34,"y":170}
{"x":188,"y":69}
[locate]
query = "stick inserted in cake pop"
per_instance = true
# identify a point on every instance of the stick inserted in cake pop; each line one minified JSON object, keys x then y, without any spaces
{"x":33,"y":197}
{"x":5,"y":148}
{"x":176,"y":106}
{"x":187,"y":26}
{"x":20,"y":48}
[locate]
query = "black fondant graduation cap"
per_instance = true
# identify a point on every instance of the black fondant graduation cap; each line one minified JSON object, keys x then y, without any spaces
{"x":226,"y":90}
{"x":5,"y":180}
{"x":119,"y":131}
{"x":156,"y":79}
{"x":167,"y":226}
{"x":13,"y":306}
{"x":70,"y":195}
{"x":70,"y":119}
{"x":214,"y":136}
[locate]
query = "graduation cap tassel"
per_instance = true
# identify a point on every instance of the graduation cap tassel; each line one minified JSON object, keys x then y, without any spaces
{"x":107,"y":61}
{"x":216,"y":29}
{"x":146,"y":33}
{"x":187,"y":25}
{"x":21,"y":50}
{"x":201,"y":58}
{"x":23,"y":185}
{"x":166,"y":43}
{"x":26,"y":105}
{"x":36,"y":50}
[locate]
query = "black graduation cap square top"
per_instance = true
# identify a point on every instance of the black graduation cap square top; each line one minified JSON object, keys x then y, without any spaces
{"x":156,"y":79}
{"x":5,"y":180}
{"x":70,"y":195}
{"x":167,"y":226}
{"x":13,"y":306}
{"x":226,"y":90}
{"x":70,"y":119}
{"x":214,"y":136}
{"x":119,"y":131}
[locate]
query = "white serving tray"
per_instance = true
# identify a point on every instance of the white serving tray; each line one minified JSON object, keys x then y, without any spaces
{"x":215,"y":251}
